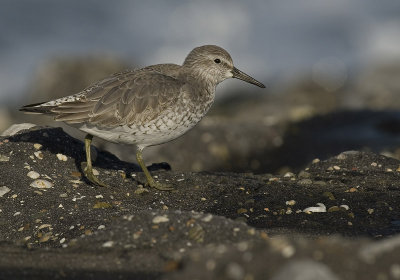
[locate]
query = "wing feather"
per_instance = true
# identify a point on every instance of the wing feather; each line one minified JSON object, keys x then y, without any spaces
{"x":125,"y":98}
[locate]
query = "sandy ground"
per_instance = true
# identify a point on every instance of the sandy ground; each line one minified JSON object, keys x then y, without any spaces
{"x":55,"y":225}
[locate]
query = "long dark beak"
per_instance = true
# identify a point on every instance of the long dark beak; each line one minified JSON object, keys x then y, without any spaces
{"x":244,"y":77}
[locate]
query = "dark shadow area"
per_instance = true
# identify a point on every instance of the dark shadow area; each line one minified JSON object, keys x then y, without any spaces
{"x":328,"y":135}
{"x":51,"y":141}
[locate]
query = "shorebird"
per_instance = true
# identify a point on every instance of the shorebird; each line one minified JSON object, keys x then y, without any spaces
{"x":145,"y":107}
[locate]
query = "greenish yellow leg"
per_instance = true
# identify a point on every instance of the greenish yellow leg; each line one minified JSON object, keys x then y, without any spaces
{"x":151,"y":182}
{"x":87,"y":166}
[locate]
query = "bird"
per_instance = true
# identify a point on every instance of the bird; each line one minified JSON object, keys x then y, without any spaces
{"x":145,"y":107}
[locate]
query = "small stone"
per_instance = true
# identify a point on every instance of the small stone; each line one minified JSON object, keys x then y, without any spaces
{"x":38,"y":154}
{"x":197,"y":234}
{"x":37,"y":146}
{"x":316,"y":160}
{"x":63,"y":195}
{"x":141,"y":190}
{"x":288,"y":251}
{"x":41,"y":184}
{"x":44,"y":226}
{"x":304,"y":182}
{"x":370,"y":211}
{"x":62,"y":157}
{"x":99,"y":196}
{"x":45,"y":237}
{"x":335,"y":167}
{"x":304,"y":175}
{"x":108,"y":244}
{"x":96,"y":172}
{"x":17,"y":213}
{"x":62,"y":240}
{"x":334,"y":209}
{"x":288,"y":175}
{"x":101,"y":227}
{"x":4,"y":158}
{"x":207,"y":218}
{"x":33,"y":175}
{"x":4,"y":190}
{"x":321,"y":208}
{"x":160,"y":219}
{"x":345,"y":207}
{"x":291,"y":202}
{"x":341,"y":156}
{"x":374,"y":164}
{"x":15,"y":128}
{"x":102,"y":205}
{"x":329,"y":195}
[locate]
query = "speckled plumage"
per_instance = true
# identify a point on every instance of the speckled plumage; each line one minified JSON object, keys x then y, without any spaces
{"x":147,"y":106}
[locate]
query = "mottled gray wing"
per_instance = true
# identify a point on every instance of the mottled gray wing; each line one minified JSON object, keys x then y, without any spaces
{"x":133,"y":97}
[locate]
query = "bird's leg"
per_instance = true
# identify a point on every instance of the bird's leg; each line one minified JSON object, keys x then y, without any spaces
{"x":150,"y":181}
{"x":87,"y":166}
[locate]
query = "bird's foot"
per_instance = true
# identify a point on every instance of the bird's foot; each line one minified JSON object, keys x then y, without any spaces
{"x":160,"y":186}
{"x":90,"y":176}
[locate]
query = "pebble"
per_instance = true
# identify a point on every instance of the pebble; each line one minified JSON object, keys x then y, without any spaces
{"x":305,"y":182}
{"x":197,"y":233}
{"x":334,"y":209}
{"x":41,"y":184}
{"x":4,"y":158}
{"x":62,"y":157}
{"x":160,"y":219}
{"x":141,"y":190}
{"x":33,"y":175}
{"x":207,"y":218}
{"x":16,"y":214}
{"x":4,"y":190}
{"x":38,"y":154}
{"x":108,"y":244}
{"x":45,"y":226}
{"x":316,"y":160}
{"x":335,"y":167}
{"x":62,"y":240}
{"x":303,"y":174}
{"x":329,"y":195}
{"x":101,"y":227}
{"x":370,"y":211}
{"x":291,"y":202}
{"x":344,"y":206}
{"x":321,"y":208}
{"x":288,"y":175}
{"x":37,"y":146}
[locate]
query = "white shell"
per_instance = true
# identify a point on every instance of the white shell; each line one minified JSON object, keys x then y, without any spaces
{"x":41,"y":184}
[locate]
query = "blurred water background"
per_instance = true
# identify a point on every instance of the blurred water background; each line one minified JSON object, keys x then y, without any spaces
{"x":316,"y":56}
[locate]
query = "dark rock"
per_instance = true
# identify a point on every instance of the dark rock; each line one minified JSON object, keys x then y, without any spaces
{"x":77,"y":230}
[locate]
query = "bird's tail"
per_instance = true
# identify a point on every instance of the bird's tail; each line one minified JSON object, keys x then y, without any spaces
{"x":36,"y":108}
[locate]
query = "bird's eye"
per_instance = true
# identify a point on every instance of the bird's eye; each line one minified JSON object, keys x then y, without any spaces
{"x":217,"y":60}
